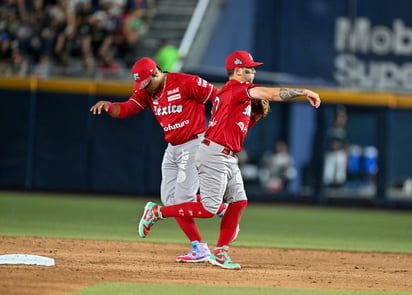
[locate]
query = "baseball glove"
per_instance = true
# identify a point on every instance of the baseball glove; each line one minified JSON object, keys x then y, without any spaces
{"x":260,"y":107}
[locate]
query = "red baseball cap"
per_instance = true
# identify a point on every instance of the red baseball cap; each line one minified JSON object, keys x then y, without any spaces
{"x":240,"y":59}
{"x":142,"y":72}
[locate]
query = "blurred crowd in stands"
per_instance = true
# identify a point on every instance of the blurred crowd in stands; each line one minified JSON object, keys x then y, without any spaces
{"x":45,"y":38}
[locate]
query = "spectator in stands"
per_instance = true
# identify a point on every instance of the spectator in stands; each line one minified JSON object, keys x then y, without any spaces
{"x":132,"y":27}
{"x":248,"y":169}
{"x":5,"y":48}
{"x":11,"y":21}
{"x":38,"y":36}
{"x":35,"y":8}
{"x":18,"y":67}
{"x":54,"y":24}
{"x":108,"y":68}
{"x":114,"y":10}
{"x":76,"y":11}
{"x":14,"y":8}
{"x":76,"y":35}
{"x":74,"y":43}
{"x":25,"y":32}
{"x":100,"y":38}
{"x":335,"y":168}
{"x":139,"y":4}
{"x":276,"y":168}
{"x":43,"y":68}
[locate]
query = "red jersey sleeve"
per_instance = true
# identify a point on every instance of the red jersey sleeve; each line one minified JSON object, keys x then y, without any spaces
{"x":252,"y":119}
{"x":136,"y":103}
{"x":200,"y":89}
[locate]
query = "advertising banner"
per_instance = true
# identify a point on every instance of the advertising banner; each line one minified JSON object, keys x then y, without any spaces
{"x":357,"y":44}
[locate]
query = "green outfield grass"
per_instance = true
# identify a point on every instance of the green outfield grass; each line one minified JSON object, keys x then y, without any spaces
{"x":263,"y":225}
{"x":159,"y":289}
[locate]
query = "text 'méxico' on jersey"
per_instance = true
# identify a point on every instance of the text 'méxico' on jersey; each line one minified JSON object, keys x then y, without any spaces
{"x":178,"y":106}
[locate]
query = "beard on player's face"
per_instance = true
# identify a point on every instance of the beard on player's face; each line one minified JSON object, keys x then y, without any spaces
{"x":156,"y":83}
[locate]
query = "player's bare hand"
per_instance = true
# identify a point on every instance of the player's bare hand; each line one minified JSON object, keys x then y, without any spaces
{"x":99,"y":106}
{"x":313,"y":98}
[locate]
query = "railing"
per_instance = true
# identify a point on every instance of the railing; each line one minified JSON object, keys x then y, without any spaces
{"x":191,"y":32}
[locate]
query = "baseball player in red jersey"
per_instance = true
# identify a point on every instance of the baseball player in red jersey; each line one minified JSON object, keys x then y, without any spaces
{"x":219,"y":174}
{"x":177,"y":101}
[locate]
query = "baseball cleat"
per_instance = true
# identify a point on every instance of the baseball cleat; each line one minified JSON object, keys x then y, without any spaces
{"x":222,"y":259}
{"x":151,"y":214}
{"x":200,"y":253}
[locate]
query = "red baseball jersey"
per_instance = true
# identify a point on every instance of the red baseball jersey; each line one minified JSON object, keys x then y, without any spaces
{"x":231,"y":112}
{"x":178,"y":107}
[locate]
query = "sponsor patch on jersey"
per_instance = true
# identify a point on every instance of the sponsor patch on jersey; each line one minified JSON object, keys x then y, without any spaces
{"x":173,"y":91}
{"x":174,"y":97}
{"x":242,"y":126}
{"x":170,"y":127}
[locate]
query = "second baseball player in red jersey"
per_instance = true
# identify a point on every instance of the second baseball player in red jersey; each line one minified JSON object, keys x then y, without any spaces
{"x":233,"y":116}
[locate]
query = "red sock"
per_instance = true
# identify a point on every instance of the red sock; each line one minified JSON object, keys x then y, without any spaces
{"x":229,"y":222}
{"x":186,"y":210}
{"x":188,"y":226}
{"x":221,"y":208}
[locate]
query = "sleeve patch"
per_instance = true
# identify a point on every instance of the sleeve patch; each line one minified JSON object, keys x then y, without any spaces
{"x":201,"y":82}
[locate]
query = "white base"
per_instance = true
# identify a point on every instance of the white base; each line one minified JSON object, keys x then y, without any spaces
{"x":26,"y":259}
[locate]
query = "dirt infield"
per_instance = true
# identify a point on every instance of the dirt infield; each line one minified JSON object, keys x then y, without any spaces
{"x":82,"y":263}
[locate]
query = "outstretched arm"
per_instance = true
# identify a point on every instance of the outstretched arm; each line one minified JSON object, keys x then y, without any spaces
{"x":118,"y":109}
{"x":281,"y":94}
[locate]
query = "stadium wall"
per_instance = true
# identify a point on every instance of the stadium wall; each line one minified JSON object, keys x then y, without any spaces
{"x":51,"y":142}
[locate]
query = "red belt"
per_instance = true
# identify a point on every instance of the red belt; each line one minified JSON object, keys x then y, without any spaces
{"x":195,"y":136}
{"x":225,"y":150}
